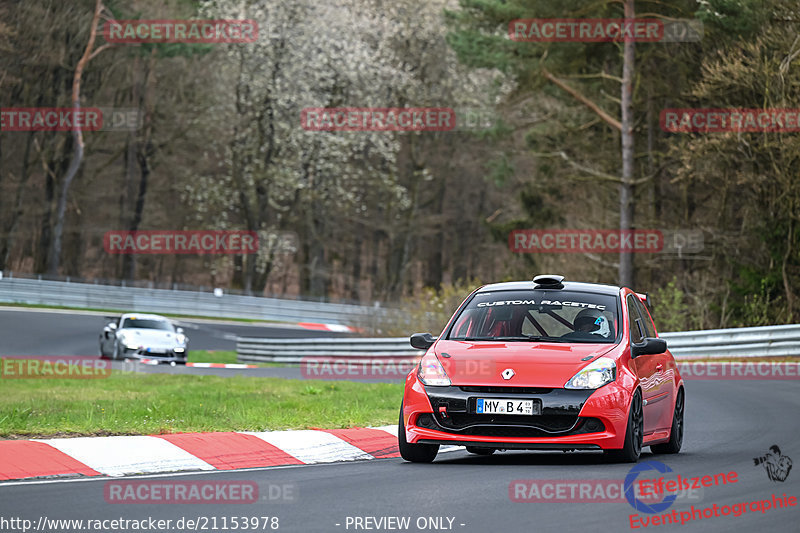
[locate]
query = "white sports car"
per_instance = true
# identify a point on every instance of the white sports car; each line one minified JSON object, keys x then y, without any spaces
{"x":140,"y":336}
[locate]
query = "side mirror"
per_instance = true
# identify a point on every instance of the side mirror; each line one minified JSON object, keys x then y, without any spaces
{"x":109,"y":329}
{"x":422,"y":341}
{"x":649,"y":346}
{"x":179,"y":331}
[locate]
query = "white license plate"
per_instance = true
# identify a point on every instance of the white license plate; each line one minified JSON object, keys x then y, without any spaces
{"x":505,"y":406}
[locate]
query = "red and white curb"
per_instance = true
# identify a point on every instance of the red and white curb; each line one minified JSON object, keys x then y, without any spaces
{"x":123,"y":456}
{"x":339,"y":328}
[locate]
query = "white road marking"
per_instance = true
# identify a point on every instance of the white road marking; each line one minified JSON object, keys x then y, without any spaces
{"x":338,"y":327}
{"x":216,"y":365}
{"x":121,"y":456}
{"x":312,"y":446}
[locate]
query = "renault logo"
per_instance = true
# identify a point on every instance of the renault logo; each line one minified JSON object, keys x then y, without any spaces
{"x":508,"y":373}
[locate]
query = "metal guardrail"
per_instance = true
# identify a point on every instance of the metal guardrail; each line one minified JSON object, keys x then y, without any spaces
{"x":193,"y":303}
{"x":763,"y":341}
{"x":295,"y":350}
{"x":738,"y":342}
{"x":715,"y":343}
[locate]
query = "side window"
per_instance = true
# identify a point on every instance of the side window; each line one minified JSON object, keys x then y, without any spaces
{"x":635,"y":322}
{"x":649,"y":328}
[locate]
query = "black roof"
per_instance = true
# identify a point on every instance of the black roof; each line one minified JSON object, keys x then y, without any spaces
{"x":611,"y":290}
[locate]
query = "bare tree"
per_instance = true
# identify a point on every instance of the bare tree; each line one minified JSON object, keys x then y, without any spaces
{"x":626,"y":207}
{"x":54,"y":259}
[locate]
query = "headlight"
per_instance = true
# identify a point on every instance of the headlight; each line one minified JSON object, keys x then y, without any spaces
{"x":180,"y":338}
{"x":594,"y":375}
{"x":431,"y":372}
{"x":128,"y":343}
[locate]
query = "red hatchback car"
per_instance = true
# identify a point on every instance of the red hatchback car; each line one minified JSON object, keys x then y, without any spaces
{"x":544,"y":365}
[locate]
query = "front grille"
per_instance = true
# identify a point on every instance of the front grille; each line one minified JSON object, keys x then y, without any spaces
{"x":499,"y":431}
{"x":513,"y":426}
{"x":548,"y":423}
{"x":164,"y":354}
{"x":507,"y":390}
{"x":156,"y":352}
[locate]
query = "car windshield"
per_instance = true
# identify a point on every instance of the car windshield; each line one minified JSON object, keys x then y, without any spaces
{"x":538,"y":315}
{"x":147,"y":323}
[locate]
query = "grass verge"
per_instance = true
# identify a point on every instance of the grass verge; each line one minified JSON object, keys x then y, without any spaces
{"x":216,"y":356}
{"x":145,"y":404}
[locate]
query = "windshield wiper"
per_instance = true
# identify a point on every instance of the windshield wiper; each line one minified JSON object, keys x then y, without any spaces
{"x":545,"y":338}
{"x":527,"y":338}
{"x":493,"y":339}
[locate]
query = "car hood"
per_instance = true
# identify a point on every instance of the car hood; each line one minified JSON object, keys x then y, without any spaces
{"x":535,"y":364}
{"x":154,"y":338}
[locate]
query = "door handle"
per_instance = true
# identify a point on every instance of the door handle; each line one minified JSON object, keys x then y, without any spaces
{"x":659,"y":367}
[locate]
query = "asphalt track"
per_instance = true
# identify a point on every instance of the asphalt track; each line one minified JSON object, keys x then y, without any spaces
{"x":728,"y":423}
{"x":59,"y":332}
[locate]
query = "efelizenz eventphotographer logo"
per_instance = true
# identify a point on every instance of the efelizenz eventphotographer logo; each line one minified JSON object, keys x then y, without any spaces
{"x":636,"y":503}
{"x":776,"y":465}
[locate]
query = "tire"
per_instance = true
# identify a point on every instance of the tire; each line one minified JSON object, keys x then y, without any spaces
{"x":414,"y":453}
{"x":115,"y":352}
{"x":634,"y":434}
{"x":673,"y":445}
{"x":480,"y":451}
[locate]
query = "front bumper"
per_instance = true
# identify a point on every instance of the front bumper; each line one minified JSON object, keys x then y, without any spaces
{"x":569,"y":419}
{"x":155,"y":354}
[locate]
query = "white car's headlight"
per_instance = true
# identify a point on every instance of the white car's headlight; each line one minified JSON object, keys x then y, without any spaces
{"x":431,"y":372}
{"x":181,"y":339}
{"x":594,"y":375}
{"x":128,"y":342}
